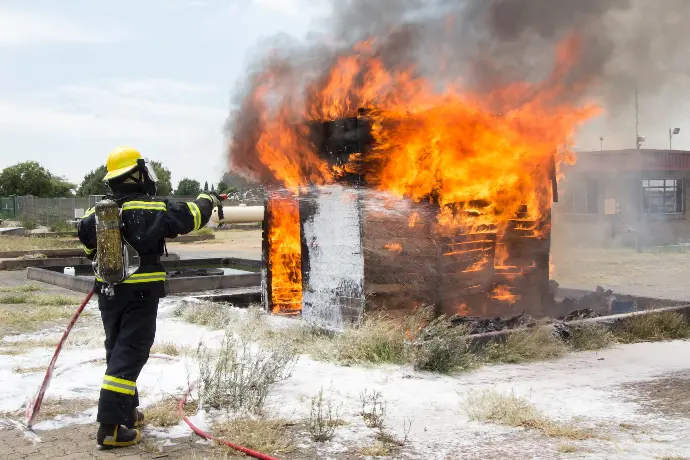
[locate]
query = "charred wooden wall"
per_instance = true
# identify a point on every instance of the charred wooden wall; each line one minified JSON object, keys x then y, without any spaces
{"x":400,"y":254}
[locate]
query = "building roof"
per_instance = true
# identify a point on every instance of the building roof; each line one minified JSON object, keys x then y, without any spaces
{"x":633,"y":160}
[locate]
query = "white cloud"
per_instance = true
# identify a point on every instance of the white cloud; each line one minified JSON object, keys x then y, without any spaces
{"x":25,"y":27}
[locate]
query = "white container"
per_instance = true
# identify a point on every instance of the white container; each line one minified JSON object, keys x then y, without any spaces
{"x":69,"y":271}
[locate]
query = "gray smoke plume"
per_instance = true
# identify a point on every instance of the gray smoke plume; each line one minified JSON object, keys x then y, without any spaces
{"x":625,"y":46}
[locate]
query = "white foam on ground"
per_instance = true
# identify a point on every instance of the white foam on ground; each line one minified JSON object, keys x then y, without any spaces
{"x":585,"y":385}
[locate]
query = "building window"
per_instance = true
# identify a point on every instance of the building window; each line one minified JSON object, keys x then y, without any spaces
{"x":582,"y":197}
{"x":662,"y":196}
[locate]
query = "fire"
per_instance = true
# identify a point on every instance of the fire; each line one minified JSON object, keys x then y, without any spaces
{"x":414,"y":217}
{"x":487,"y":159}
{"x":503,"y":293}
{"x":284,"y":258}
{"x":394,"y":247}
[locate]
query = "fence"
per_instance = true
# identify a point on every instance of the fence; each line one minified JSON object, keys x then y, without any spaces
{"x":56,"y":212}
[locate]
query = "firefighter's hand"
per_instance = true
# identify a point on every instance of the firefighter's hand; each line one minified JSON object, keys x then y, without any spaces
{"x":218,"y":202}
{"x":216,"y":199}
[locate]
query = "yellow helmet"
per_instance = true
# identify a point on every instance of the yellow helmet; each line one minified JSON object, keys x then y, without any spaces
{"x":121,"y":161}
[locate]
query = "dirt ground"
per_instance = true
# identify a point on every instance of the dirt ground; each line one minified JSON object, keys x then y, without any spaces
{"x":244,"y":244}
{"x":625,"y":271}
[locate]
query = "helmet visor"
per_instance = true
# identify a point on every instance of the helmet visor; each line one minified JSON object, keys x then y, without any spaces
{"x":150,"y":171}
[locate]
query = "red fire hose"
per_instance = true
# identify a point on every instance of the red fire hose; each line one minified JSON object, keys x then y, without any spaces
{"x":35,"y":405}
{"x":203,"y":434}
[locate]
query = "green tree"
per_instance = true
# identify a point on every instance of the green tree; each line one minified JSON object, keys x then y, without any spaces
{"x":93,"y":182}
{"x":206,"y":186}
{"x":30,"y":178}
{"x":164,"y":183}
{"x":224,"y":188}
{"x":188,"y":187}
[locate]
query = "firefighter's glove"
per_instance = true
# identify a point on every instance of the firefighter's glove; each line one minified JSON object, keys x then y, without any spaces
{"x":218,"y":203}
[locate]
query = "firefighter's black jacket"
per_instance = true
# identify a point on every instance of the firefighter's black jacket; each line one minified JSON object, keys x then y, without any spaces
{"x":147,"y":222}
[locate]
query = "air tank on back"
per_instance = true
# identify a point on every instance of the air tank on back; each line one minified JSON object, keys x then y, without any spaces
{"x":109,"y":263}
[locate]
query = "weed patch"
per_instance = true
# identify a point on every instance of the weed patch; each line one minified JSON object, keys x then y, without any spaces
{"x":511,"y":410}
{"x":14,"y":299}
{"x":240,"y":374}
{"x":267,"y":436}
{"x":536,"y":344}
{"x":22,"y":288}
{"x":323,"y":418}
{"x":164,"y":413}
{"x":171,"y":349}
{"x":32,"y":317}
{"x":651,"y":327}
{"x":440,"y":347}
{"x":209,"y":314}
{"x":23,"y":243}
{"x":589,"y":337}
{"x":567,"y":449}
{"x":55,"y":300}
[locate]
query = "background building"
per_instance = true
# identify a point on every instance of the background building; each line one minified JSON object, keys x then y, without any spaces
{"x":624,"y":198}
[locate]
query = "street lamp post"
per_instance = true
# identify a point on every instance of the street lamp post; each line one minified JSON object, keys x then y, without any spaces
{"x":671,"y":133}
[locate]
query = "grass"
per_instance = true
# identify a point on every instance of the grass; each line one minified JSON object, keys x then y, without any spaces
{"x":210,"y":314}
{"x":14,"y":299}
{"x":378,"y":340}
{"x":268,"y":436}
{"x":41,"y":300}
{"x":567,"y":448}
{"x":165,"y":414}
{"x":524,"y":346}
{"x":19,"y":289}
{"x":23,"y":243}
{"x":29,"y":370}
{"x":171,"y":349}
{"x":517,"y":412}
{"x":30,"y":317}
{"x":590,"y":337}
{"x":651,"y":327}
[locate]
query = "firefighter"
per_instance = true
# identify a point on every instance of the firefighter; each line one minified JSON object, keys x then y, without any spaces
{"x":129,"y":315}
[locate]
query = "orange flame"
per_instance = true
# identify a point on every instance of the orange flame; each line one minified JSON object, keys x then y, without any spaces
{"x":284,"y":258}
{"x":503,"y":293}
{"x":413,"y":220}
{"x":486,"y":158}
{"x":394,"y":247}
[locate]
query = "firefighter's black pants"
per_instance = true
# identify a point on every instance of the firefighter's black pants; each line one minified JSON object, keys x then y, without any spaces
{"x":130,"y":328}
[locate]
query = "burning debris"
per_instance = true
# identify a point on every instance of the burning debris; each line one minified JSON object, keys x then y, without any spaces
{"x":477,"y":325}
{"x":394,"y":182}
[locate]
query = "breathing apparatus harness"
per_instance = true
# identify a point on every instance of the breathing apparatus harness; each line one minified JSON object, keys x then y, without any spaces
{"x":116,"y":259}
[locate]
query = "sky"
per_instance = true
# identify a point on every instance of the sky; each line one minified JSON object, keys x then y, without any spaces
{"x":81,"y":77}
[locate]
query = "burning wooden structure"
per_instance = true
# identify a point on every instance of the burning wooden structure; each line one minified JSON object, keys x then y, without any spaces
{"x":334,"y":251}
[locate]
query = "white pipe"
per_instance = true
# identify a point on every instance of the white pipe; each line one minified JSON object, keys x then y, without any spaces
{"x":241,"y":214}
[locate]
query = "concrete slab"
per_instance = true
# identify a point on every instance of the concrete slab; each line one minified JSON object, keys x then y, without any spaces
{"x":13,"y":231}
{"x":20,"y":264}
{"x":172,"y":285}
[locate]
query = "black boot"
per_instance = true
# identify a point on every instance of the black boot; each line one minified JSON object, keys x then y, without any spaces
{"x":110,"y":436}
{"x":138,"y":420}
